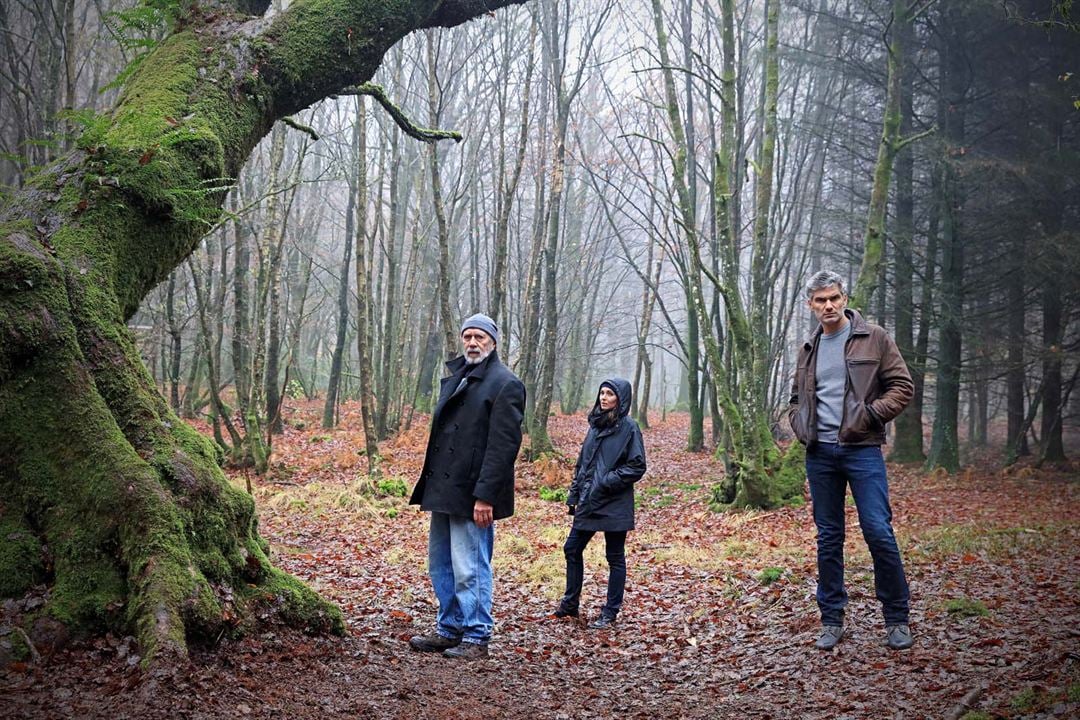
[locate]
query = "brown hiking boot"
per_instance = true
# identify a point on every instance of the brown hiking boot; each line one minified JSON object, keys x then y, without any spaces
{"x":467,"y":651}
{"x":433,"y":642}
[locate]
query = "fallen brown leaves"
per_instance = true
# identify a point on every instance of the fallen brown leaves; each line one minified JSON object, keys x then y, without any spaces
{"x":719,"y":617}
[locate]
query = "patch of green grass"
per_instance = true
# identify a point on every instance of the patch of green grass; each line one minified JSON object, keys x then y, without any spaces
{"x":392,"y":487}
{"x":513,"y":545}
{"x":976,"y":715}
{"x":547,"y":573}
{"x":552,"y":494}
{"x":737,"y":549}
{"x":1026,"y":701}
{"x":1073,"y":693}
{"x":703,"y":558}
{"x":966,"y":607}
{"x":316,"y":439}
{"x":652,"y":491}
{"x":555,"y":534}
{"x":689,"y":487}
{"x":951,"y":540}
{"x":665,"y":501}
{"x":770,"y":575}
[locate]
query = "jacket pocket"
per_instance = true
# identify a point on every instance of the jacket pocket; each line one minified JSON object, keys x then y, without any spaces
{"x":859,"y":425}
{"x":863,"y":375}
{"x":799,"y":422}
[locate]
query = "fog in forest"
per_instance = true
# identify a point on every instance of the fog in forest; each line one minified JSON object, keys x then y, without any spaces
{"x":612,"y":165}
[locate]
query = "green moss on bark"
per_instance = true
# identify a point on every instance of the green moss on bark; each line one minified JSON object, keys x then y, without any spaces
{"x":21,"y":565}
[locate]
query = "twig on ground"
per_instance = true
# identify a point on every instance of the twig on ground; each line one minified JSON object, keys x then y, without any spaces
{"x":33,"y":650}
{"x":966,"y":703}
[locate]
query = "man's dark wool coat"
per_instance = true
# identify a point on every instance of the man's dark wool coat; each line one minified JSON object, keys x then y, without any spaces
{"x":611,"y":460}
{"x":475,"y":437}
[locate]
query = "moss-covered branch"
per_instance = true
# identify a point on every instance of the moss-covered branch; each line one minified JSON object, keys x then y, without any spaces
{"x":407,"y":126}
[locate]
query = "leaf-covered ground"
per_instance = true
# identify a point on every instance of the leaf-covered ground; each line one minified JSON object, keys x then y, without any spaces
{"x":718,"y":622}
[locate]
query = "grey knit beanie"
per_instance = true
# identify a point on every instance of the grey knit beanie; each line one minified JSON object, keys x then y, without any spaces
{"x":480,"y":321}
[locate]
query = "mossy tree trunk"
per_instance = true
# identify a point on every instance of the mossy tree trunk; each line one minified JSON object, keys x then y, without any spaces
{"x":891,"y":144}
{"x":761,"y":474}
{"x":143,"y":532}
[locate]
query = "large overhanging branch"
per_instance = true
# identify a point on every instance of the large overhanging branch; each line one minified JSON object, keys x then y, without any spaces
{"x":428,"y":135}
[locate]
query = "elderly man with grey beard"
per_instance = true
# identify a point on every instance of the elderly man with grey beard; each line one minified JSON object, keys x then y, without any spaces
{"x":850,"y":380}
{"x":467,"y":484}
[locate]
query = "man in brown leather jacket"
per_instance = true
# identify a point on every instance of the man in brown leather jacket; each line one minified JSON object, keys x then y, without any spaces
{"x":850,"y":380}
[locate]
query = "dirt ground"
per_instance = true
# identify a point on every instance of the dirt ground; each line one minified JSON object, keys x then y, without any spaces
{"x":719,"y":618}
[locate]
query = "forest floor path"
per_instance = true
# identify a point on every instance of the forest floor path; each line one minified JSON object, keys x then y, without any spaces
{"x":719,"y":618}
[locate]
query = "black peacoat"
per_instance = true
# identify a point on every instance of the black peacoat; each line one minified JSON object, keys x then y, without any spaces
{"x":611,"y":460}
{"x":474,"y":440}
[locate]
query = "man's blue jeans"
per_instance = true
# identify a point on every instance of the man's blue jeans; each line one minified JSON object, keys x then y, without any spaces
{"x":459,"y":562}
{"x":830,"y":469}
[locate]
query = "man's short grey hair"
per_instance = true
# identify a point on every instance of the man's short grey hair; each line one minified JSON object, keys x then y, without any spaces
{"x":821,"y":280}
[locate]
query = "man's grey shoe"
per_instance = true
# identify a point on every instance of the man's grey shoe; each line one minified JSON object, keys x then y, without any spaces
{"x":467,"y":651}
{"x":433,"y":643}
{"x":602,"y":623}
{"x":830,"y":635}
{"x":898,"y":637}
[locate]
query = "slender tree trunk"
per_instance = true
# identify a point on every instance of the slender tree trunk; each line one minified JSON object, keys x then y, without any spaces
{"x":363,"y":302}
{"x":1053,"y":448}
{"x":508,"y":188}
{"x":1016,"y":323}
{"x":242,"y":338}
{"x":944,"y":445}
{"x":389,"y":319}
{"x":643,"y":365}
{"x":176,"y":336}
{"x":333,"y":387}
{"x":908,"y":440}
{"x":446,"y":319}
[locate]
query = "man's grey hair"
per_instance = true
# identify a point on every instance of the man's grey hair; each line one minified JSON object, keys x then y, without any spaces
{"x":821,"y":280}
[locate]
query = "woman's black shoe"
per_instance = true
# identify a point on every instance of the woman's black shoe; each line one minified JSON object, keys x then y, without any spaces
{"x":602,"y":623}
{"x":562,"y":612}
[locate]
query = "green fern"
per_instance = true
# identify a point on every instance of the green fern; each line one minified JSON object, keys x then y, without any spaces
{"x":138,"y":30}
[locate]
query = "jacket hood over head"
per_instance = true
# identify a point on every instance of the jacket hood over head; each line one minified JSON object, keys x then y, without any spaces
{"x":622,"y":390}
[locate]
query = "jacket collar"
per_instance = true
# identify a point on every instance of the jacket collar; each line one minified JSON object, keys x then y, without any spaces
{"x":859,"y":326}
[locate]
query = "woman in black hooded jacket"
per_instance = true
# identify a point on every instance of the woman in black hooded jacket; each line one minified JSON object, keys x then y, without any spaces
{"x":601,"y":497}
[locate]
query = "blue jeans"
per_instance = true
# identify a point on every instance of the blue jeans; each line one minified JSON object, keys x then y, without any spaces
{"x":459,"y":562}
{"x":830,"y":469}
{"x":614,"y":550}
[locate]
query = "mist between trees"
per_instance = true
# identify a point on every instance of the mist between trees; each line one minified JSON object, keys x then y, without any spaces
{"x":559,"y":214}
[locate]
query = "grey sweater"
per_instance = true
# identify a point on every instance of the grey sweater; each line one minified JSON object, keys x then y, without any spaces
{"x":831,"y":374}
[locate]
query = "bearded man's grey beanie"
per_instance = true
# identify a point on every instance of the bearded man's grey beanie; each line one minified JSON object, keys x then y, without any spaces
{"x":480,"y":321}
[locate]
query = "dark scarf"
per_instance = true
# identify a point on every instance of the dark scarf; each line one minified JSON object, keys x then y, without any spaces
{"x":602,"y":420}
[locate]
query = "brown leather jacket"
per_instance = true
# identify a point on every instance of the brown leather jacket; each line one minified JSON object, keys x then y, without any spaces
{"x":878,"y":385}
